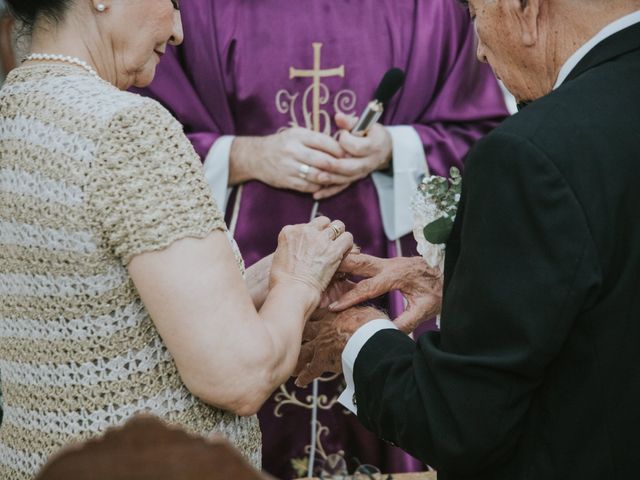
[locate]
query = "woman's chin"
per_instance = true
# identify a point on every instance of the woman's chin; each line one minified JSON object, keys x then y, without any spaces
{"x":145,"y":77}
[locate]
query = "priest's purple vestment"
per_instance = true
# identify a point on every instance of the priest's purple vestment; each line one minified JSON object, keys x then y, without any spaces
{"x":247,"y":68}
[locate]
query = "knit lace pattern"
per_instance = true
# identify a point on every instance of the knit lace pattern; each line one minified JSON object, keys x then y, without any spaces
{"x":89,"y":178}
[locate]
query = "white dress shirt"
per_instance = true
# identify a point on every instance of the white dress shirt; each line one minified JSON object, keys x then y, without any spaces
{"x":364,"y":333}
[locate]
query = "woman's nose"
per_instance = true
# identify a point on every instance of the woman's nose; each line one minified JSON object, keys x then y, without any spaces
{"x":178,"y":34}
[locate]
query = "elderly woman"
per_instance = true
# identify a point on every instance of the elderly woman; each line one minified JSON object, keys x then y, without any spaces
{"x":120,"y":290}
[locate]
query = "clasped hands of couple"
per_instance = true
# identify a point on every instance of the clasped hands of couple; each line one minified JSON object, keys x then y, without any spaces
{"x":311,"y":162}
{"x":339,"y":313}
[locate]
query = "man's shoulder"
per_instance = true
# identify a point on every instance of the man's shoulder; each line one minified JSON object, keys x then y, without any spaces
{"x":577,"y":119}
{"x":596,"y":101}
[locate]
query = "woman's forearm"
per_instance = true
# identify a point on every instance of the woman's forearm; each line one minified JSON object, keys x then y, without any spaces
{"x":227,"y":352}
{"x":264,"y":353}
{"x":284,"y":303}
{"x":257,"y":280}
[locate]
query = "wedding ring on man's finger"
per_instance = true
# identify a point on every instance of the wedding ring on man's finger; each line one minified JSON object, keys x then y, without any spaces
{"x":303,"y":170}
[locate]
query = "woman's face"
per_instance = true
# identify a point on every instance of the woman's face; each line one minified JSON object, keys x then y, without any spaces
{"x":139,"y":32}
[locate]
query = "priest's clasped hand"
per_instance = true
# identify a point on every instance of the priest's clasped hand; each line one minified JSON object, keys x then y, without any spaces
{"x":330,"y":328}
{"x":363,"y":155}
{"x":310,"y":162}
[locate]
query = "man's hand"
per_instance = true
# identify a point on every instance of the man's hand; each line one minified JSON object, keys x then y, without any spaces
{"x":364,"y":155}
{"x":296,"y":159}
{"x":419,"y":284}
{"x":339,"y":286}
{"x":324,"y":340}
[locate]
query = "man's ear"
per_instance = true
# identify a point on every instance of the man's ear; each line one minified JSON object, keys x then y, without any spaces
{"x":527,"y":15}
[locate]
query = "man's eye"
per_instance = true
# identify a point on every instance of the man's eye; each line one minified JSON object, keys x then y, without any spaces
{"x":175,"y":4}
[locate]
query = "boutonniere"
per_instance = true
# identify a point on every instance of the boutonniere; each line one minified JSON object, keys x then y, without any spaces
{"x":434,"y":209}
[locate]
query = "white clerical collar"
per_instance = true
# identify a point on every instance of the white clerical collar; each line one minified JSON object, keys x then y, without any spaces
{"x":607,"y":31}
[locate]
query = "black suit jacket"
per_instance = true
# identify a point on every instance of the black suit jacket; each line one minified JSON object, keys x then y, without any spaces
{"x":536,"y":371}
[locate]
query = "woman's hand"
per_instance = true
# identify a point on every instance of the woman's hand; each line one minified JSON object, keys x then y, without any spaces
{"x":296,"y":159}
{"x":310,"y":254}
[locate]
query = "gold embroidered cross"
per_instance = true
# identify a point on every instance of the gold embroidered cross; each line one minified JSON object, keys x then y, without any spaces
{"x":316,"y":74}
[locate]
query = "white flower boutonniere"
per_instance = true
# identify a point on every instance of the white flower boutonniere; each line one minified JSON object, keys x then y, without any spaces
{"x":434,"y":209}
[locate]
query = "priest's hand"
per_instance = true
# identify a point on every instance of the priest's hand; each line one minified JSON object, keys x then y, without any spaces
{"x":325,"y":337}
{"x":296,"y":159}
{"x":364,"y":155}
{"x":420,"y":285}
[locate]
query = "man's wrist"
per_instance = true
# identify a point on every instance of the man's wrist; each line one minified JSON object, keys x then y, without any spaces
{"x":387,"y":163}
{"x":241,"y":156}
{"x":360,"y":337}
{"x":387,"y":168}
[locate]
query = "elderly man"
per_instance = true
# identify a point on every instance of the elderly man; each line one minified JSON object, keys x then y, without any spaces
{"x":535,"y":372}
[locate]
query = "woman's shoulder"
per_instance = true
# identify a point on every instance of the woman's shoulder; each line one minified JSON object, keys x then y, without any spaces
{"x":133,"y":111}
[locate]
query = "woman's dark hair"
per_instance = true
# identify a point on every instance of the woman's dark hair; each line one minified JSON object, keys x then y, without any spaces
{"x":27,"y":11}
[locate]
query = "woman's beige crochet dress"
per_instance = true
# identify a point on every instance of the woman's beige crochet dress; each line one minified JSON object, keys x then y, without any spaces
{"x":89,"y":177}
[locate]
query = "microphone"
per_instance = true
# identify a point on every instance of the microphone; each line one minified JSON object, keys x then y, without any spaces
{"x":389,"y":85}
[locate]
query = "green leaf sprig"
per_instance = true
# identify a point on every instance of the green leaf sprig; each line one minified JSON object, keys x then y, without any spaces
{"x":445,"y":193}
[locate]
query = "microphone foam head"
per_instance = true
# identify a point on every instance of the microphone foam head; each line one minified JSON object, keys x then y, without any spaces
{"x":389,"y":85}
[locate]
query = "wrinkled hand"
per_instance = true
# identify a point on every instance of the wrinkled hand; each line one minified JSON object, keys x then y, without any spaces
{"x":276,"y":160}
{"x":309,"y":254}
{"x":324,"y":340}
{"x":419,"y":284}
{"x":339,"y":286}
{"x":364,"y":154}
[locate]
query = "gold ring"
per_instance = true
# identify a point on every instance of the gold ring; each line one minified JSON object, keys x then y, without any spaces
{"x":336,"y":230}
{"x":303,"y":170}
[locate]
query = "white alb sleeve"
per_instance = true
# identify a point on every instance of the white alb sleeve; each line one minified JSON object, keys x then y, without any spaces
{"x":395,"y":191}
{"x":216,"y":170}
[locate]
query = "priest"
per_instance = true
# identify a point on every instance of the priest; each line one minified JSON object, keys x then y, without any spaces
{"x":262,"y":89}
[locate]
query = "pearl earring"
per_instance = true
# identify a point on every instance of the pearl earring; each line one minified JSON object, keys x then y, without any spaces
{"x":101,"y":7}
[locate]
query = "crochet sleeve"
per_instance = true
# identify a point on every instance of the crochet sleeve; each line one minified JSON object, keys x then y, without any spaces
{"x":147,"y":188}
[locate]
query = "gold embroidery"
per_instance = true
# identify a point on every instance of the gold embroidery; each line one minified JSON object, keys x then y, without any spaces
{"x":285,"y":397}
{"x":317,"y":73}
{"x":315,"y":118}
{"x":301,"y":465}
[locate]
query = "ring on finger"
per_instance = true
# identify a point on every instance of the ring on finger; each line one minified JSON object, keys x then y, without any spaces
{"x":336,"y":230}
{"x":303,"y":170}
